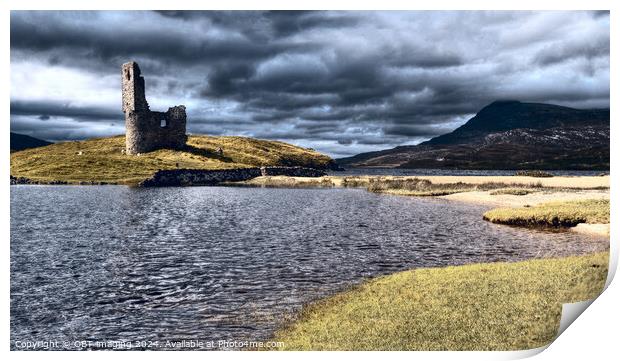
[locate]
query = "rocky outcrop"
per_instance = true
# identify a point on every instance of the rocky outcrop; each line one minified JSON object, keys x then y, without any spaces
{"x":190,"y":177}
{"x":24,"y":180}
{"x":198,"y":177}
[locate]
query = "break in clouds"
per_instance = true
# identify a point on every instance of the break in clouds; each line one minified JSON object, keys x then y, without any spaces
{"x":339,"y":82}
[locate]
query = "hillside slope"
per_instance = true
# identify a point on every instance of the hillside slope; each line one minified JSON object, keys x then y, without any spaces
{"x":508,"y":135}
{"x":102,"y":159}
{"x":22,"y":141}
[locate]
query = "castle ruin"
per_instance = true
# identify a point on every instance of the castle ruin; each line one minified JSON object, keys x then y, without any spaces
{"x":146,"y":130}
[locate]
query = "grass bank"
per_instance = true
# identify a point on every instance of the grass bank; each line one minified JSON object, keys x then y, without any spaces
{"x":453,"y":183}
{"x":424,"y":187}
{"x":286,"y":182}
{"x":410,"y":186}
{"x":553,"y":214}
{"x":102,"y":159}
{"x":495,"y":306}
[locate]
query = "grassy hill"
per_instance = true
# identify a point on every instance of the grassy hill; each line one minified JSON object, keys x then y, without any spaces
{"x":102,"y":159}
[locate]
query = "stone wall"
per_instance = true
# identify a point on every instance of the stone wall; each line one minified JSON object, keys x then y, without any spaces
{"x":291,"y":171}
{"x":198,"y":177}
{"x":147,"y":130}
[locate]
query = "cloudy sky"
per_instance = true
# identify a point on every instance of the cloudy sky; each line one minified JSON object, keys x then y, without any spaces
{"x":339,"y":82}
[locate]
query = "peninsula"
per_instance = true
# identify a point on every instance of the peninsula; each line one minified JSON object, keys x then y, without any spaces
{"x":155,"y":141}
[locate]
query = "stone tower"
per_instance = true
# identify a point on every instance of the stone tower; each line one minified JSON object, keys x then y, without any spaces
{"x":145,"y":130}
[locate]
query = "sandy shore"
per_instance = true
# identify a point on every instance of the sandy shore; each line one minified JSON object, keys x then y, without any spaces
{"x":596,"y":229}
{"x":532,"y":199}
{"x":559,"y":182}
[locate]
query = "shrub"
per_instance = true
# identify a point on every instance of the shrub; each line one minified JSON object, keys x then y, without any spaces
{"x":512,"y":191}
{"x":533,"y":173}
{"x":354,"y":182}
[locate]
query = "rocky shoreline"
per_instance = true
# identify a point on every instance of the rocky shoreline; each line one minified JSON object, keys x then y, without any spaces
{"x":24,"y":180}
{"x":197,"y":177}
{"x":194,"y":177}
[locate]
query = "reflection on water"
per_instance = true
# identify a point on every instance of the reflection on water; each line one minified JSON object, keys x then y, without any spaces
{"x":219,"y":263}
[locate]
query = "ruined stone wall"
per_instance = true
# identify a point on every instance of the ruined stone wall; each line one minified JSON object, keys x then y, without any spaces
{"x":292,"y":171}
{"x":145,"y":130}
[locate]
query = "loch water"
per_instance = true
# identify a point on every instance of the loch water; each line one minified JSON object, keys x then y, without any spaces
{"x":113,"y":263}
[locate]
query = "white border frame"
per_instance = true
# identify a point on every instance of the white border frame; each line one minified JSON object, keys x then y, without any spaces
{"x":591,"y":336}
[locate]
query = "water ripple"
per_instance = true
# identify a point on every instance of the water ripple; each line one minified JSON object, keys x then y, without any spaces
{"x":214,"y":263}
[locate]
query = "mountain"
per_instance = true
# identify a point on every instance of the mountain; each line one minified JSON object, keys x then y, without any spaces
{"x":508,"y":135}
{"x":22,"y":141}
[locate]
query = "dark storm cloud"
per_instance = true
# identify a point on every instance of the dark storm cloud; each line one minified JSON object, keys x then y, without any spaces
{"x":34,"y":32}
{"x":415,"y":130}
{"x":341,"y":82}
{"x":274,"y":23}
{"x":45,"y":110}
{"x":560,"y":51}
{"x":285,"y":23}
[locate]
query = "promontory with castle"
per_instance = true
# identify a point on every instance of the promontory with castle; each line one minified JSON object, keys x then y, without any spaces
{"x":157,"y":151}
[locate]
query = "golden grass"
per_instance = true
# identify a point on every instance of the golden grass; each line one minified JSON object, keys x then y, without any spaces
{"x":494,"y":306}
{"x":580,"y":182}
{"x":286,"y":182}
{"x":424,"y":187}
{"x":553,"y":214}
{"x":425,"y":193}
{"x":101,"y":159}
{"x":512,"y":191}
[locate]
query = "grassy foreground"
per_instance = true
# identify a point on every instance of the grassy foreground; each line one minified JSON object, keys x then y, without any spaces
{"x":102,"y":160}
{"x":495,"y":306}
{"x":553,"y":214}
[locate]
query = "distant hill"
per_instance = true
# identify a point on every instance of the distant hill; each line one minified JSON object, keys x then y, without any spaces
{"x":103,"y":159}
{"x":508,"y":135}
{"x":22,"y":141}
